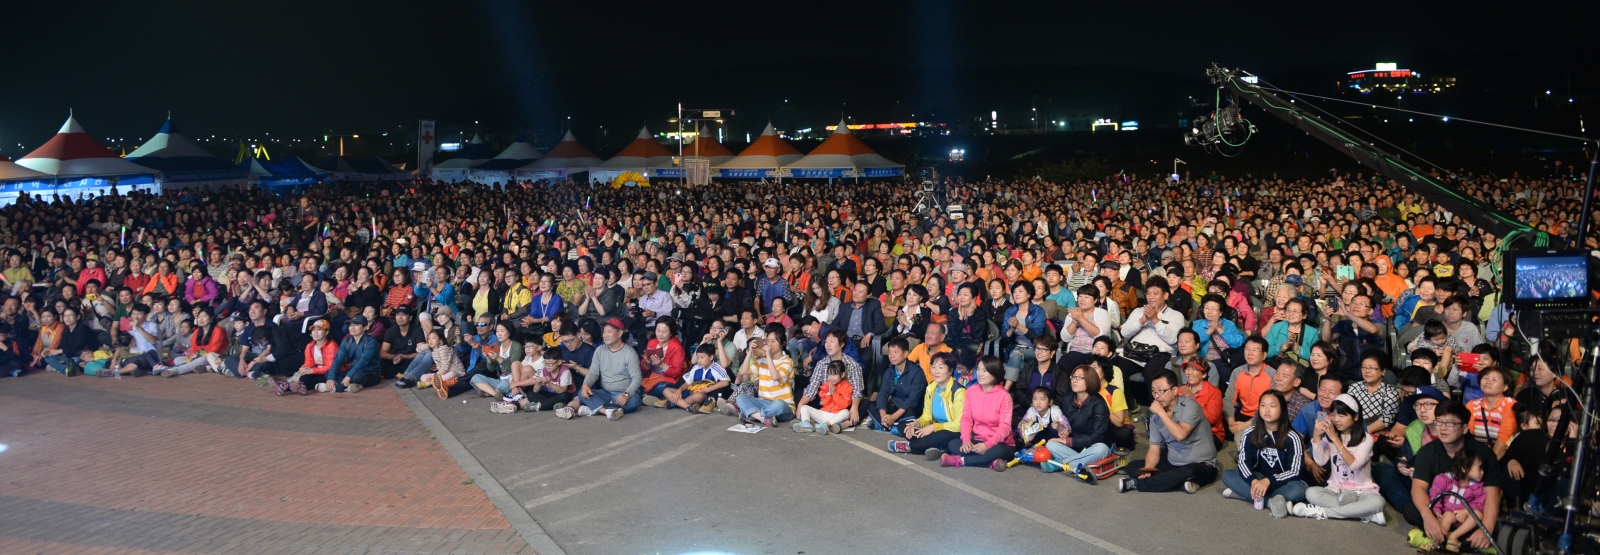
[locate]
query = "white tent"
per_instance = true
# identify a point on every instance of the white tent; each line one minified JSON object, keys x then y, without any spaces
{"x":566,"y":158}
{"x":499,"y":170}
{"x":456,"y":169}
{"x":78,"y":165}
{"x":183,"y":164}
{"x":843,"y":155}
{"x":761,"y":159}
{"x":639,"y":156}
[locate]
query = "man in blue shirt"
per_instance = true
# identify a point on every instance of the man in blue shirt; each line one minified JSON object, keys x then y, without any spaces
{"x":900,"y":399}
{"x":356,"y":365}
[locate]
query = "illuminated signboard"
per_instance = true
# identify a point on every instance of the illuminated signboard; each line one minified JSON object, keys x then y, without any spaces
{"x":1396,"y":74}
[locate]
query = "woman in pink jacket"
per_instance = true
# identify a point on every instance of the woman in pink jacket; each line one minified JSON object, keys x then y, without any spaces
{"x":986,"y":438}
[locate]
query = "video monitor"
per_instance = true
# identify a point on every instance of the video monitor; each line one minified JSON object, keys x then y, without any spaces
{"x":1548,"y":278}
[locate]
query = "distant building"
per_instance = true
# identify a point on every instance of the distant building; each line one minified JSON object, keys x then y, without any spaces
{"x":1388,"y":78}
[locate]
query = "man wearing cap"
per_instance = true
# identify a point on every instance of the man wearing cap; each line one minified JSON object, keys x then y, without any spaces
{"x":356,"y":365}
{"x":1394,"y":478}
{"x":771,"y":285}
{"x":653,"y":302}
{"x":612,"y":384}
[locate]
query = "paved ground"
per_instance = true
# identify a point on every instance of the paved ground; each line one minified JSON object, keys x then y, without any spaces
{"x":207,"y":464}
{"x":661,"y":482}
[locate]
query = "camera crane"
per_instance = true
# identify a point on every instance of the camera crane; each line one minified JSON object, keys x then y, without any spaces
{"x":1227,"y":129}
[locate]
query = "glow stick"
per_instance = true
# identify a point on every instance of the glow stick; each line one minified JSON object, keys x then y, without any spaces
{"x":124,"y":241}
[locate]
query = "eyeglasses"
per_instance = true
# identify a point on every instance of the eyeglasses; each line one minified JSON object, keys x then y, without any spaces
{"x":1157,"y":392}
{"x":1078,"y":378}
{"x":1427,"y":404}
{"x":1447,"y":423}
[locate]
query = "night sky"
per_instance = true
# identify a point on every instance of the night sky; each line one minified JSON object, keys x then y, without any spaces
{"x":301,"y":69}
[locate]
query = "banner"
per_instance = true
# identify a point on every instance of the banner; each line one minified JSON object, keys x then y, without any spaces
{"x":427,"y":142}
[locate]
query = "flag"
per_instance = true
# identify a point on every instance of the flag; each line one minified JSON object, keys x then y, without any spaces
{"x":426,"y":143}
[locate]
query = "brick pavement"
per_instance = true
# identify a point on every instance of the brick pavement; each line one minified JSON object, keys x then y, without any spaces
{"x":208,"y":464}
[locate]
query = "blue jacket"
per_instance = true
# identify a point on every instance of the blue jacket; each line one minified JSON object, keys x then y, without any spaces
{"x":905,"y":390}
{"x":1404,"y":309}
{"x":1230,"y":334}
{"x":1035,"y":322}
{"x":362,"y":357}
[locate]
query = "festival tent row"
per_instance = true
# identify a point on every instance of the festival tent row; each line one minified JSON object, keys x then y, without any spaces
{"x":73,"y":164}
{"x":501,"y":168}
{"x":457,"y":168}
{"x":183,"y":164}
{"x":704,"y":146}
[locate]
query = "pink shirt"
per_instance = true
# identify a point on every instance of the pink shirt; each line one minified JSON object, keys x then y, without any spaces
{"x":986,"y":416}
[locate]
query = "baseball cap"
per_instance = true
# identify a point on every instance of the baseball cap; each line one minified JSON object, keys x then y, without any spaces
{"x":1110,"y":265}
{"x":358,"y":320}
{"x":616,"y":323}
{"x":771,"y":263}
{"x":1293,"y":279}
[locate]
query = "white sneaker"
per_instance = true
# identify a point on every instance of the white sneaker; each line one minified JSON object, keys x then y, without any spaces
{"x":1307,"y":510}
{"x":1190,"y":487}
{"x":1227,"y":493}
{"x":564,"y":413}
{"x":322,"y":387}
{"x":1377,"y":518}
{"x":353,"y":388}
{"x":613,"y":414}
{"x":583,"y":410}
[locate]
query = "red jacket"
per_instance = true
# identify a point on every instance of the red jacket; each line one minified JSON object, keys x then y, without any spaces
{"x":835,"y":398}
{"x":218,"y":343}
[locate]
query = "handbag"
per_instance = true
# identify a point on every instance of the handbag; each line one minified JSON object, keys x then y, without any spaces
{"x":1141,"y":352}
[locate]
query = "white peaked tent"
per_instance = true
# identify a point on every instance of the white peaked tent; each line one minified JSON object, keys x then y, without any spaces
{"x":639,"y":156}
{"x":183,"y":164}
{"x":78,"y":165}
{"x":456,"y":169}
{"x":759,"y":160}
{"x":499,"y":170}
{"x":566,"y":158}
{"x":843,"y":155}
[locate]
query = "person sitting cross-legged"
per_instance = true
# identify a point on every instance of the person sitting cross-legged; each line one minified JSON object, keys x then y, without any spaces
{"x":704,"y":382}
{"x":612,"y":385}
{"x":986,"y":433}
{"x":1269,"y":460}
{"x":940,"y":422}
{"x":766,"y":364}
{"x":1181,"y":455}
{"x":356,"y":365}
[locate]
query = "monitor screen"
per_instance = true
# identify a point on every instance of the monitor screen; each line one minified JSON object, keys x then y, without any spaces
{"x":1547,"y":278}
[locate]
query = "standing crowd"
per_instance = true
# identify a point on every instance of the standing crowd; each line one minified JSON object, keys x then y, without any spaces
{"x":1342,"y":334}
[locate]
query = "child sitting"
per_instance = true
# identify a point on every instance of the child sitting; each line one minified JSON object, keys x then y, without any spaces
{"x":1525,"y":454}
{"x":1465,"y":479}
{"x":1043,"y":420}
{"x":550,"y":381}
{"x":447,"y":369}
{"x":704,"y":382}
{"x":834,"y":396}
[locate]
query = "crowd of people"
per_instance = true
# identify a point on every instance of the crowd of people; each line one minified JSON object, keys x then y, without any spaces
{"x":1342,"y":334}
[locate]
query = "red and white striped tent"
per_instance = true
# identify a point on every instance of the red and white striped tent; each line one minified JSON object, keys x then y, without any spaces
{"x":639,"y":156}
{"x":73,"y":154}
{"x":566,"y":158}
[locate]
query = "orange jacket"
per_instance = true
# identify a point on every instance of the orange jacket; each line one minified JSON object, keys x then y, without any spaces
{"x":170,"y":281}
{"x":835,"y":398}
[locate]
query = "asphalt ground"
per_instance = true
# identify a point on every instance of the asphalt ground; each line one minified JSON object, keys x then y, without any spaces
{"x":667,"y":482}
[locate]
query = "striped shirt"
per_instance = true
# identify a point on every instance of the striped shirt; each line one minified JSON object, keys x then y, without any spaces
{"x":774,"y":379}
{"x":713,"y":373}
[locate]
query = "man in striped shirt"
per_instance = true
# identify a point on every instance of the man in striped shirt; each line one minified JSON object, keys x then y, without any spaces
{"x":770,"y":367}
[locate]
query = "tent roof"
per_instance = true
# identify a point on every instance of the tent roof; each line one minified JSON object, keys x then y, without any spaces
{"x":704,"y":146}
{"x":843,"y":150}
{"x":643,"y":152}
{"x":73,"y":153}
{"x":372,"y":165}
{"x":171,"y":150}
{"x":10,"y":170}
{"x":768,"y":151}
{"x":566,"y":154}
{"x":520,"y":149}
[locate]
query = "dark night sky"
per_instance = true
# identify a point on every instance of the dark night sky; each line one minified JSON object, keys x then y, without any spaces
{"x":305,"y":68}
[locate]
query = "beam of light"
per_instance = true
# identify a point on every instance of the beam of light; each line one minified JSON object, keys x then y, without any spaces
{"x":4,"y":447}
{"x":511,"y":23}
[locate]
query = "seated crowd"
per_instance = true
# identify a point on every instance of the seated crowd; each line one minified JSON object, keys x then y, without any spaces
{"x":1329,"y":332}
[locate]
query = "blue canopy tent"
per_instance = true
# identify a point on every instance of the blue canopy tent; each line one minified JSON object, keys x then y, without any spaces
{"x":183,"y":164}
{"x":291,"y":173}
